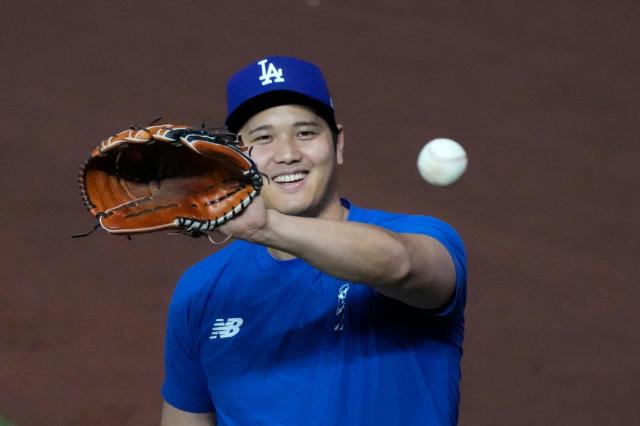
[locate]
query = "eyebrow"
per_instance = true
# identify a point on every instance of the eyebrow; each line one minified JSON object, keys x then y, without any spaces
{"x":257,"y":129}
{"x":296,"y":124}
{"x":305,"y":123}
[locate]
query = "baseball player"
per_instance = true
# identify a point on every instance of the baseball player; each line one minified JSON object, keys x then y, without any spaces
{"x":320,"y":312}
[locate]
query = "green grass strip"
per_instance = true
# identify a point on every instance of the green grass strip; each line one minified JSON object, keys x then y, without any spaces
{"x":5,"y":422}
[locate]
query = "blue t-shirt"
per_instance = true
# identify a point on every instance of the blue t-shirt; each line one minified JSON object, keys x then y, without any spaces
{"x":267,"y":342}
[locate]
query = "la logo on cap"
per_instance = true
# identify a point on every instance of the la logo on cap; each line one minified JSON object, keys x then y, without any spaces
{"x":269,"y":72}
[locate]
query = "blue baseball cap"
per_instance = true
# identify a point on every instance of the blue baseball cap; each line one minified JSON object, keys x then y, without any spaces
{"x":273,"y":81}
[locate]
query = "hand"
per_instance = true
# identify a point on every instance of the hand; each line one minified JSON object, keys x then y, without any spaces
{"x":247,"y":225}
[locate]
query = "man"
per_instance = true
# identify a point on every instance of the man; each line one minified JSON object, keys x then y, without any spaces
{"x":320,"y":312}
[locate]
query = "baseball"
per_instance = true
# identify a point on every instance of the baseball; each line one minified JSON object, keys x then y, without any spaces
{"x":442,"y":162}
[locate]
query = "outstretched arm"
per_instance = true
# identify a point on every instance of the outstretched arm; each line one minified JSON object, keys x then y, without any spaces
{"x":412,"y":268}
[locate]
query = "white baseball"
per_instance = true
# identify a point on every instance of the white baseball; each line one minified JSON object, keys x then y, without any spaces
{"x":442,"y":162}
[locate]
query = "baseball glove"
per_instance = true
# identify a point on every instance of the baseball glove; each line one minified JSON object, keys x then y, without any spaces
{"x":167,"y":177}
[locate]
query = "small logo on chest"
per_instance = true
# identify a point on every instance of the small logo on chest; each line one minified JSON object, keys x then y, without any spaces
{"x":224,"y":329}
{"x":342,"y":305}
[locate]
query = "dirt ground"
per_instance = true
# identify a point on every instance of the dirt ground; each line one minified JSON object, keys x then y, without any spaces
{"x":544,"y":98}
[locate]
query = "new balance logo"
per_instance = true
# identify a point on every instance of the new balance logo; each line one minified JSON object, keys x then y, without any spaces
{"x":269,"y":72}
{"x":224,"y":329}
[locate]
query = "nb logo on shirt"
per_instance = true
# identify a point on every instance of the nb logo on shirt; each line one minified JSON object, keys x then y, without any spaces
{"x":225,"y":329}
{"x":269,"y":72}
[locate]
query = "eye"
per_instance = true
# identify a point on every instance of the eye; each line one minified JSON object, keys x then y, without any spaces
{"x":307,"y":134}
{"x":261,"y":139}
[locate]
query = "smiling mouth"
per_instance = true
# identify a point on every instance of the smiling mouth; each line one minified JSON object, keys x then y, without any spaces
{"x":290,"y":178}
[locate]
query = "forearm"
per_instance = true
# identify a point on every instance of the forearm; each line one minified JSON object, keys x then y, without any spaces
{"x":350,"y":251}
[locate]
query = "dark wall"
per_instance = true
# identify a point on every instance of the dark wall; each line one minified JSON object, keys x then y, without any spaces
{"x":543,"y":97}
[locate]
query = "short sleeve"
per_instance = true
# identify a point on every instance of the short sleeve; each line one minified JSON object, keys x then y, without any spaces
{"x":446,"y":235}
{"x":185,"y":383}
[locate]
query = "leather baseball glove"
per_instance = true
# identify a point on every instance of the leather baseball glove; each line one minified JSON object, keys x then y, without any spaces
{"x":167,"y":177}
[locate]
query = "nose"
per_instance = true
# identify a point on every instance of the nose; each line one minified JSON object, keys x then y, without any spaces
{"x":286,"y":150}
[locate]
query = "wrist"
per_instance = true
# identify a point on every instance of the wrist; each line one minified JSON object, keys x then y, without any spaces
{"x":264,"y":235}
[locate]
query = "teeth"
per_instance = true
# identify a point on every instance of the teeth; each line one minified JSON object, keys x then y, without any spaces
{"x":289,"y":178}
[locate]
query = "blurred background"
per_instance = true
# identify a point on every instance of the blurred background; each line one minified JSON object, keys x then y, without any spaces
{"x":544,"y":97}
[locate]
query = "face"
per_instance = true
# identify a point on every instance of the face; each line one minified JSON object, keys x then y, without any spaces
{"x":295,"y":148}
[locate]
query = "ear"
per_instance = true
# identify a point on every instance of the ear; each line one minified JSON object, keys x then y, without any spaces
{"x":340,"y":145}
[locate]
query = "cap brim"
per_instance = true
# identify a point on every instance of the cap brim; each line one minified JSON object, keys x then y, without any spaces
{"x":272,"y":99}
